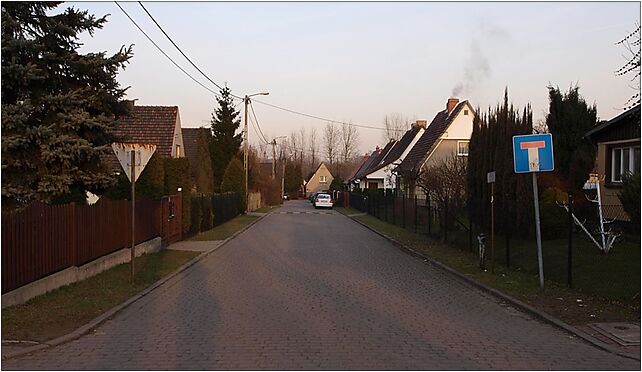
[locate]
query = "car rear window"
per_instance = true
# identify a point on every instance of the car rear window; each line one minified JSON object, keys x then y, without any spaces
{"x":324,"y":196}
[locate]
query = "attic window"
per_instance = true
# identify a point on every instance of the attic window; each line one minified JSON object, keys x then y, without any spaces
{"x":465,"y":112}
{"x":322,"y":179}
{"x":178,"y":151}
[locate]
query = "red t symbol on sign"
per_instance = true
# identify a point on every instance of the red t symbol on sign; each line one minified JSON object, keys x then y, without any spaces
{"x":533,"y":153}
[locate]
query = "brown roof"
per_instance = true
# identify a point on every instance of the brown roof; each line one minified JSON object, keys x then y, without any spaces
{"x":398,"y":149}
{"x":190,"y":141}
{"x":422,"y":148}
{"x":375,"y":160}
{"x":356,"y":169}
{"x":147,"y":124}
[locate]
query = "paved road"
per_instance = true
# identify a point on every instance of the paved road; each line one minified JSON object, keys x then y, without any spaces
{"x":309,"y":290}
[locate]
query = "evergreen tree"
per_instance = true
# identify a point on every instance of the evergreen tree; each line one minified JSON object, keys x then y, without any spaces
{"x":225,"y":144}
{"x":234,"y":181}
{"x":568,"y":120}
{"x":203,"y":173}
{"x":57,"y":105}
{"x":293,"y":177}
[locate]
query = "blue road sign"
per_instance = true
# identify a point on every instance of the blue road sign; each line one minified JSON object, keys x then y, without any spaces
{"x":533,"y":153}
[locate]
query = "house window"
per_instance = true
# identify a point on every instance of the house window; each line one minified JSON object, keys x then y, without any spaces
{"x":178,"y":151}
{"x":322,"y":179}
{"x":465,"y":112}
{"x":624,"y":160}
{"x":462,"y":148}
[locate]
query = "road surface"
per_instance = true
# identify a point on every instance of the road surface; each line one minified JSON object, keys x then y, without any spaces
{"x":308,"y":289}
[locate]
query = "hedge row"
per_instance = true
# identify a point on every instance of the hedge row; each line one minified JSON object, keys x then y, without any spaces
{"x":209,"y":210}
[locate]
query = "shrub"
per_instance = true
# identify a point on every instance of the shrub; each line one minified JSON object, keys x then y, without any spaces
{"x":234,"y":181}
{"x":630,"y":197}
{"x":195,"y":207}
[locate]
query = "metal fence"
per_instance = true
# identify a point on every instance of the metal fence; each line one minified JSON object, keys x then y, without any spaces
{"x":570,"y":255}
{"x":210,"y":210}
{"x":41,"y":239}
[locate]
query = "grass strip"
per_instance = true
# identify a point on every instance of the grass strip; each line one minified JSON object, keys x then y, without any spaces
{"x":63,"y":310}
{"x":225,"y":230}
{"x":571,"y":305}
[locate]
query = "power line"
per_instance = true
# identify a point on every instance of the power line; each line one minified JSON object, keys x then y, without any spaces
{"x":165,"y":54}
{"x":184,"y":55}
{"x":258,"y":131}
{"x":326,"y":119}
{"x":257,"y":123}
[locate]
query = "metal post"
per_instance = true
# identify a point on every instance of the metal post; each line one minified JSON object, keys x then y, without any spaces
{"x":570,"y":240}
{"x":273,"y":158}
{"x":133,"y":181}
{"x":403,"y":209}
{"x":245,"y":139}
{"x":415,"y":213}
{"x":492,"y":227}
{"x":507,"y":218}
{"x":538,"y":232}
{"x":429,"y":213}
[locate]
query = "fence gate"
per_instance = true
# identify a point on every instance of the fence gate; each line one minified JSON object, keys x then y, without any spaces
{"x":171,"y":226}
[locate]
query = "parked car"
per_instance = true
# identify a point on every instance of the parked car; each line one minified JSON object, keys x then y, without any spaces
{"x":286,"y":196}
{"x":313,"y":196}
{"x":323,"y":200}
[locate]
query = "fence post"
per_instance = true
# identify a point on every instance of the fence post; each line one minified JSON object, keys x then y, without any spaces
{"x":415,"y":213}
{"x":403,"y":209}
{"x":570,"y":240}
{"x":507,"y":217}
{"x":428,"y":201}
{"x":394,"y":216}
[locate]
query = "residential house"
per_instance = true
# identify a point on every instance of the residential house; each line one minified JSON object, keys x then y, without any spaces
{"x":157,"y":125}
{"x":195,"y":141}
{"x":349,"y":182}
{"x":380,"y":174}
{"x":618,"y":153}
{"x":448,"y":133}
{"x":319,"y":181}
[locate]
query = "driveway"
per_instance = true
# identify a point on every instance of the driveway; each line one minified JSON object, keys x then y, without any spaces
{"x":310,"y":289}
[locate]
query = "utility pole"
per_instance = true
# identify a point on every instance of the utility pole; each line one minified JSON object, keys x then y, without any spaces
{"x":246,"y":100}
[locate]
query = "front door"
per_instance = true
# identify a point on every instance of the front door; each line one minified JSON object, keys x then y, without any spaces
{"x":373,"y":185}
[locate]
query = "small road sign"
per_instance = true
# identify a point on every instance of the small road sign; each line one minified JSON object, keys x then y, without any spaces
{"x":533,"y":153}
{"x":490,"y":177}
{"x":143,"y":153}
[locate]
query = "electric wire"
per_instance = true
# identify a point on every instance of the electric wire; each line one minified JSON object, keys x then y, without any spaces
{"x":257,"y":124}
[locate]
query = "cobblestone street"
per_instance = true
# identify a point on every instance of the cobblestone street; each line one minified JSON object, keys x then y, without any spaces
{"x":319,"y":291}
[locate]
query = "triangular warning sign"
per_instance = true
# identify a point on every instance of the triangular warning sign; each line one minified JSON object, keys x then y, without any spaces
{"x":143,"y":152}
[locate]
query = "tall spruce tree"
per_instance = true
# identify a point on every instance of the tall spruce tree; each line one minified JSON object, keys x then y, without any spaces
{"x":225,"y":144}
{"x":569,"y":118}
{"x":57,"y":104}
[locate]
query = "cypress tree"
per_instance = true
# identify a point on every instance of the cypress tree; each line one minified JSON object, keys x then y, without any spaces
{"x":225,"y":144}
{"x":57,"y":105}
{"x":234,"y":181}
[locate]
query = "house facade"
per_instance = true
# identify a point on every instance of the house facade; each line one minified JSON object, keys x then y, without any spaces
{"x":319,"y":181}
{"x":448,"y":133}
{"x":618,"y":153}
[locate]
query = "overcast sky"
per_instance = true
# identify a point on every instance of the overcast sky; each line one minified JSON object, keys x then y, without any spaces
{"x":358,"y":61}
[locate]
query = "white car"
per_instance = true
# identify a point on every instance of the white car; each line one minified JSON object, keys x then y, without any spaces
{"x":323,"y":200}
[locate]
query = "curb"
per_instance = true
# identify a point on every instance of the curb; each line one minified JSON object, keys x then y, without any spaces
{"x":523,"y":306}
{"x":113,"y":311}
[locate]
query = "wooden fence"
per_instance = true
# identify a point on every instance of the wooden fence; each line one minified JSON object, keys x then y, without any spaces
{"x":41,"y":239}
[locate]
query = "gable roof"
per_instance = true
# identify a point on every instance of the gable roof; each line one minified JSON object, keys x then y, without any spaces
{"x":190,"y":141}
{"x":398,"y":149}
{"x":422,"y":148}
{"x":616,"y":120}
{"x":315,"y":172}
{"x":356,"y":169}
{"x":376,"y":160}
{"x":368,"y":163}
{"x":147,"y":124}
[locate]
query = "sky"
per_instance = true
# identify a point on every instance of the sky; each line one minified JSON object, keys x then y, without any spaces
{"x":358,"y":62}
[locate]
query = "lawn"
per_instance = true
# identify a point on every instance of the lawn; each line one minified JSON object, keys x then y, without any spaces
{"x":63,"y":310}
{"x":600,"y":293}
{"x":225,"y":230}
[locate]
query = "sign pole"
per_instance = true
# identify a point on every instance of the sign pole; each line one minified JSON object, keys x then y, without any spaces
{"x":537,"y":232}
{"x":492,"y":227}
{"x":133,"y":180}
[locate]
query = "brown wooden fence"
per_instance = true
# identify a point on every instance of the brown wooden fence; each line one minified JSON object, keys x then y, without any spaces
{"x":41,"y":239}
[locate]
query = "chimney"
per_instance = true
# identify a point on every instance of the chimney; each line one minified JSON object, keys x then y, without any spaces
{"x":450,"y":105}
{"x":422,"y":123}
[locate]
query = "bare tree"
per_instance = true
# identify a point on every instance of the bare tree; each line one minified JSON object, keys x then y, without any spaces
{"x":313,"y":146}
{"x":395,"y":125}
{"x":632,"y":66}
{"x":349,"y":144}
{"x":331,"y":138}
{"x":295,"y":145}
{"x":302,"y":149}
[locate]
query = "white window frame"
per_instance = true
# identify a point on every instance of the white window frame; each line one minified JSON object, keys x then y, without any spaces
{"x":462,"y":154}
{"x":616,"y":175}
{"x":323,"y":179}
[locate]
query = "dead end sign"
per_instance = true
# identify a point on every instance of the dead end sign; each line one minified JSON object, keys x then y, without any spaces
{"x":143,"y":153}
{"x":533,"y":153}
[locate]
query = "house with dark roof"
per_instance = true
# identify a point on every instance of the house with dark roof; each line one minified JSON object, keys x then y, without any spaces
{"x":349,"y":181}
{"x":156,"y":125}
{"x":195,"y":141}
{"x":448,"y":133}
{"x":618,"y":153}
{"x":380,"y":173}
